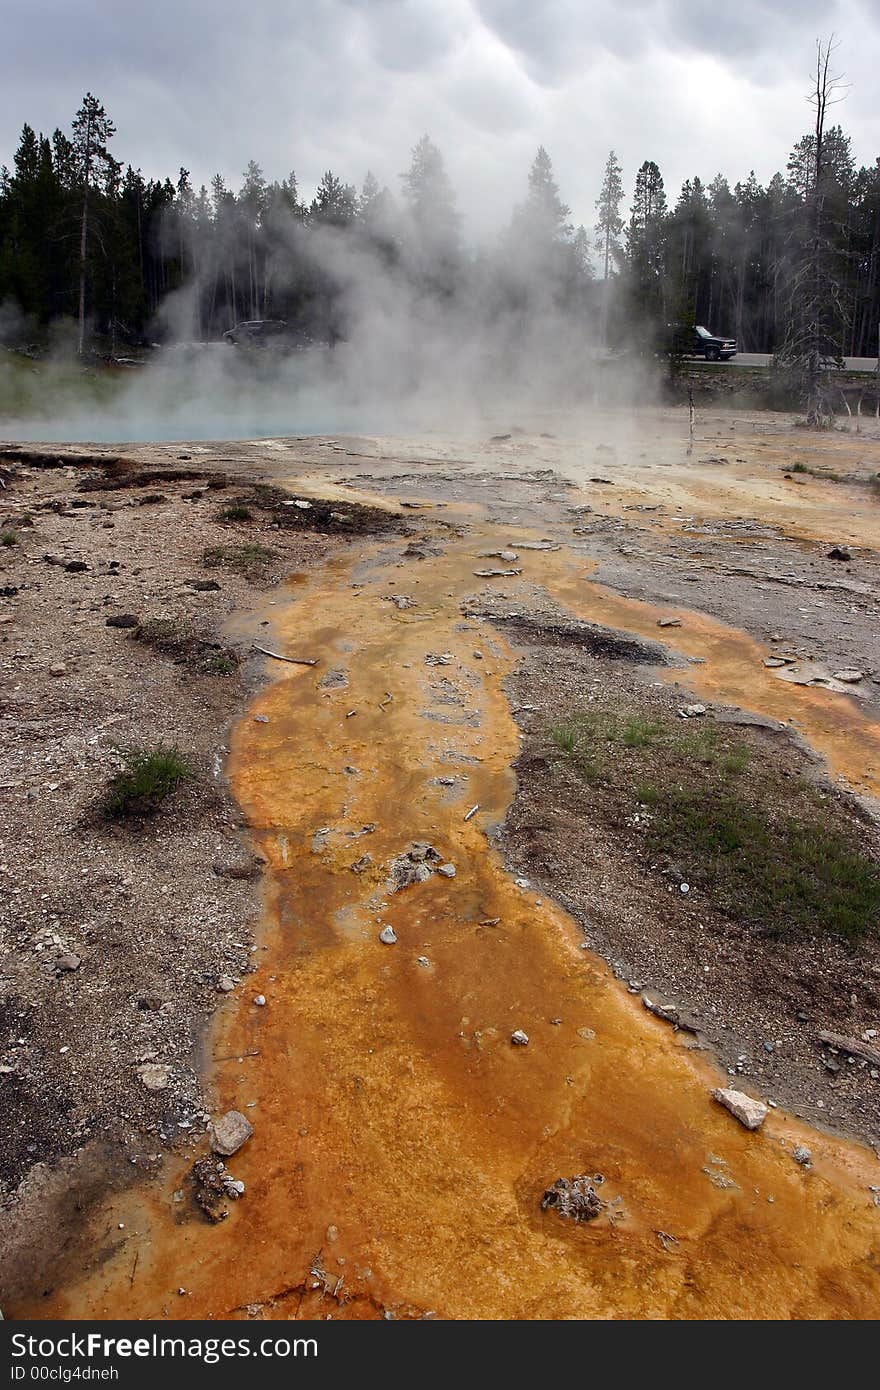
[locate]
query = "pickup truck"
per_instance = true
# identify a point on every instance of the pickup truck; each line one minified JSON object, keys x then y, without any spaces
{"x":705,"y":344}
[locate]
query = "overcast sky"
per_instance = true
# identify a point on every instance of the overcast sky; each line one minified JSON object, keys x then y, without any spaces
{"x":696,"y":85}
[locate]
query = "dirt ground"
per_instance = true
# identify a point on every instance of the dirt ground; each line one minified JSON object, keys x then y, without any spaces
{"x":119,"y":940}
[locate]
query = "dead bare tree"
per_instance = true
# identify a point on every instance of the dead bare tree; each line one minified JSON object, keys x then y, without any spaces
{"x":817,"y":317}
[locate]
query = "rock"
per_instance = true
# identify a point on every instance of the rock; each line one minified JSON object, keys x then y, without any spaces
{"x":802,"y":1155}
{"x":204,"y":586}
{"x":336,"y":679}
{"x":773,"y":661}
{"x":751,"y":1113}
{"x":422,"y":960}
{"x":58,"y":668}
{"x":67,"y":961}
{"x":848,"y":676}
{"x":388,"y":936}
{"x":415,"y":865}
{"x":244,"y":869}
{"x":225,"y":984}
{"x":260,"y":1001}
{"x":154,"y":1076}
{"x":669,"y":622}
{"x":261,"y":719}
{"x":519,"y":1038}
{"x":76,"y":567}
{"x":447,"y":870}
{"x":361,"y":865}
{"x":574,"y":1198}
{"x":692,"y":711}
{"x":839,"y":552}
{"x":123,"y":620}
{"x":229,"y":1133}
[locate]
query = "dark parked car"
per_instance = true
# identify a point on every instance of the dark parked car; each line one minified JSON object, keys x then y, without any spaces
{"x":258,"y":333}
{"x":705,"y":344}
{"x":685,"y":341}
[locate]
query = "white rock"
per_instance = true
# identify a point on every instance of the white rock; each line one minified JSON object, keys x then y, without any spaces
{"x":229,"y":1132}
{"x":154,"y":1077}
{"x":388,"y":936}
{"x":519,"y":1038}
{"x":849,"y":677}
{"x":447,"y":870}
{"x":751,"y":1113}
{"x":225,"y":984}
{"x":260,"y":1000}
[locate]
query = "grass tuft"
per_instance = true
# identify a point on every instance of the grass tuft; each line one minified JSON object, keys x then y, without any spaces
{"x":246,"y":559}
{"x":148,"y":779}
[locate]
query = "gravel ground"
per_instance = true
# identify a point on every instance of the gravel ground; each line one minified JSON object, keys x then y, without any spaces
{"x":117,"y":939}
{"x":755,"y":1001}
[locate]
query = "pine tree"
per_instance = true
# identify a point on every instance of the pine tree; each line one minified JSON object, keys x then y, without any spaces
{"x":92,"y":130}
{"x":433,"y":217}
{"x":646,"y":245}
{"x":609,"y":224}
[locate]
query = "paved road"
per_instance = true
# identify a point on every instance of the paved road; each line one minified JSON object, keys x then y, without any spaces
{"x":763,"y":359}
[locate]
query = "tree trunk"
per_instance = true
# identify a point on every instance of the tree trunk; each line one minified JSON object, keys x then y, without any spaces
{"x":83,"y":244}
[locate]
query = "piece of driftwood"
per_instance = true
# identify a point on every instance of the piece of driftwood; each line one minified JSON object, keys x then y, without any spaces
{"x":473,"y":811}
{"x":854,"y":1046}
{"x":294,"y":660}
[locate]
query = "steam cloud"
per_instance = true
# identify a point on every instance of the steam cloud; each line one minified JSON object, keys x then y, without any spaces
{"x":509,"y":341}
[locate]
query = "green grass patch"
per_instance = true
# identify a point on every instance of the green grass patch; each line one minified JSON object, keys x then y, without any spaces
{"x":247,"y":559}
{"x":149,"y":777}
{"x":236,"y":512}
{"x":222,"y":664}
{"x":767,"y":848}
{"x":827,"y":474}
{"x":9,"y":538}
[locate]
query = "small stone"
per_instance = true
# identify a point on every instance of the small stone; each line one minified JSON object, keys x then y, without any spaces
{"x":260,"y":1001}
{"x":229,"y":1133}
{"x":261,"y":719}
{"x":693,"y":711}
{"x":154,"y":1077}
{"x":388,"y":936}
{"x":774,"y":661}
{"x":58,"y":668}
{"x":422,"y":960}
{"x":750,"y":1112}
{"x":839,"y":552}
{"x":519,"y":1038}
{"x":669,"y":622}
{"x":76,"y":567}
{"x":67,"y":961}
{"x":205,"y":586}
{"x":522,"y":882}
{"x":447,"y":870}
{"x":802,"y":1155}
{"x":225,"y":984}
{"x":848,"y":676}
{"x":123,"y":620}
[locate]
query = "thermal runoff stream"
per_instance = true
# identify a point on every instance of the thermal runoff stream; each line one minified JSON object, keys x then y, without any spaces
{"x":402,"y":1142}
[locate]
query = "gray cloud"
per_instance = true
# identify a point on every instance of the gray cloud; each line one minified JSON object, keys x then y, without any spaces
{"x":352,"y":84}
